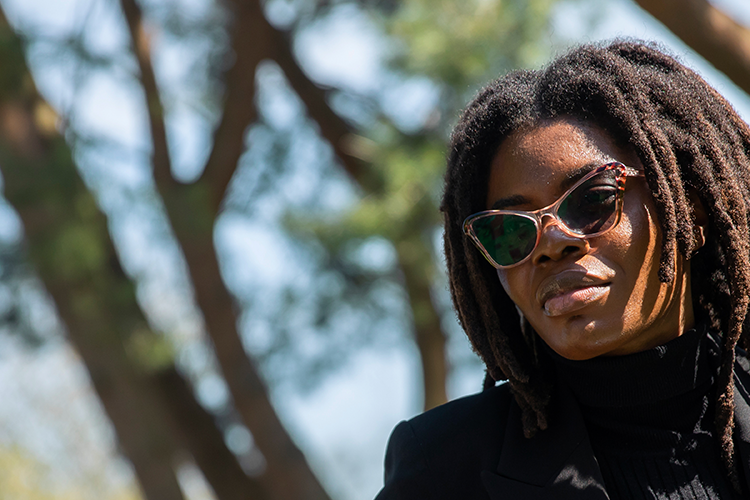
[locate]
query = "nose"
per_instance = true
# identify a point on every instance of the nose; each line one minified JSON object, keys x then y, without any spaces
{"x":555,"y":244}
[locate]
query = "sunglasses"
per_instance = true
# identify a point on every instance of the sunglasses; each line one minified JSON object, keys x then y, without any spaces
{"x":590,"y":208}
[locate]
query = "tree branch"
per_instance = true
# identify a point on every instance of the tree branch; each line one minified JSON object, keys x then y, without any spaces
{"x":718,"y":38}
{"x":142,"y":51}
{"x":428,"y":333}
{"x":239,"y":99}
{"x":205,"y":442}
{"x":333,"y":128}
{"x":69,"y":244}
{"x":239,"y":110}
{"x":191,"y":210}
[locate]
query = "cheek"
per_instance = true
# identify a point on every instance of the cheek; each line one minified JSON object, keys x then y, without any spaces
{"x":636,"y":241}
{"x":642,"y":242}
{"x":517,"y":288}
{"x":642,"y":228}
{"x":503,"y":277}
{"x":636,"y":249}
{"x":646,"y":250}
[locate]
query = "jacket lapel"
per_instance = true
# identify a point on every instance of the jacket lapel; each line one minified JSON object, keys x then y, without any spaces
{"x":558,"y":463}
{"x":742,"y":415}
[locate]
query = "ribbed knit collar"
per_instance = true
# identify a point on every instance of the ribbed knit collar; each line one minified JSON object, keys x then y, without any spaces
{"x":686,"y":363}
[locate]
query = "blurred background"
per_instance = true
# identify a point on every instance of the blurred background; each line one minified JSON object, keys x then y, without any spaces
{"x":221,"y":270}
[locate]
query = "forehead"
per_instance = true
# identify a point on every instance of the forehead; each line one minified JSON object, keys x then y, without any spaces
{"x":534,"y":163}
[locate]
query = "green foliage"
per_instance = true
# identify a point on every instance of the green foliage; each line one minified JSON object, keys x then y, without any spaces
{"x":76,"y":251}
{"x":13,"y":77}
{"x":462,"y":43}
{"x":454,"y":46}
{"x":22,"y":477}
{"x":192,"y":213}
{"x":148,"y":351}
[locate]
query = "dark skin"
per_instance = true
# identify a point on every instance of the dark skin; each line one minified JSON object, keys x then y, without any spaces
{"x":607,"y":297}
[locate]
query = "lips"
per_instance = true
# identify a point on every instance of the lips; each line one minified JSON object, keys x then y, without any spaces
{"x":570,"y":291}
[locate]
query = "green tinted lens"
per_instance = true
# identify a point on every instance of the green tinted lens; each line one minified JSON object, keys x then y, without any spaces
{"x":507,"y":238}
{"x":592,"y":207}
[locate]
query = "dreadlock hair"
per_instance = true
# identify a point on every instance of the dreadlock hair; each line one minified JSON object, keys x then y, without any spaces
{"x":688,"y":139}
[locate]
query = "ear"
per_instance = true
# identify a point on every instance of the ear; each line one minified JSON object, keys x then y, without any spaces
{"x":701,"y":218}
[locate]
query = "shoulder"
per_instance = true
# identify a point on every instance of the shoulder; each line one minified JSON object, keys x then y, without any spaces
{"x":464,"y":419}
{"x":742,"y":371}
{"x":742,"y":360}
{"x":442,"y":452}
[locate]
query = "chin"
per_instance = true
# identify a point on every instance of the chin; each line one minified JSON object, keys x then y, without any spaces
{"x":575,"y":353}
{"x":582,"y":338}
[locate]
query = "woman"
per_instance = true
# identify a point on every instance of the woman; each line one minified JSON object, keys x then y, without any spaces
{"x":596,"y":235}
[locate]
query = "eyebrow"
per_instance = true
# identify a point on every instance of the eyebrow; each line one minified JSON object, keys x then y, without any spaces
{"x":570,"y":179}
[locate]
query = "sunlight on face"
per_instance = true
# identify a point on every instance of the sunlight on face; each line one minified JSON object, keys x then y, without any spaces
{"x":597,"y":296}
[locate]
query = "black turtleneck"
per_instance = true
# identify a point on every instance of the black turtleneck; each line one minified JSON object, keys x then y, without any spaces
{"x":650,"y":419}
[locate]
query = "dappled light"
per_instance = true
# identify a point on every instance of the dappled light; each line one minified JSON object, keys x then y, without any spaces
{"x":221,"y":263}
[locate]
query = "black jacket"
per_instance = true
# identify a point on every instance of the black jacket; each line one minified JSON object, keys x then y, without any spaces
{"x":474,"y":448}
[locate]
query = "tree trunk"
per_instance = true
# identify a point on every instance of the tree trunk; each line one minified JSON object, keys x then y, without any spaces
{"x":69,"y":244}
{"x":428,"y":332}
{"x":431,"y":341}
{"x":72,"y":251}
{"x":192,"y":210}
{"x":205,"y":442}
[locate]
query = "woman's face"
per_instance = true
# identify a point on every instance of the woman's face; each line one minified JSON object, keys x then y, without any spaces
{"x":587,"y":297}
